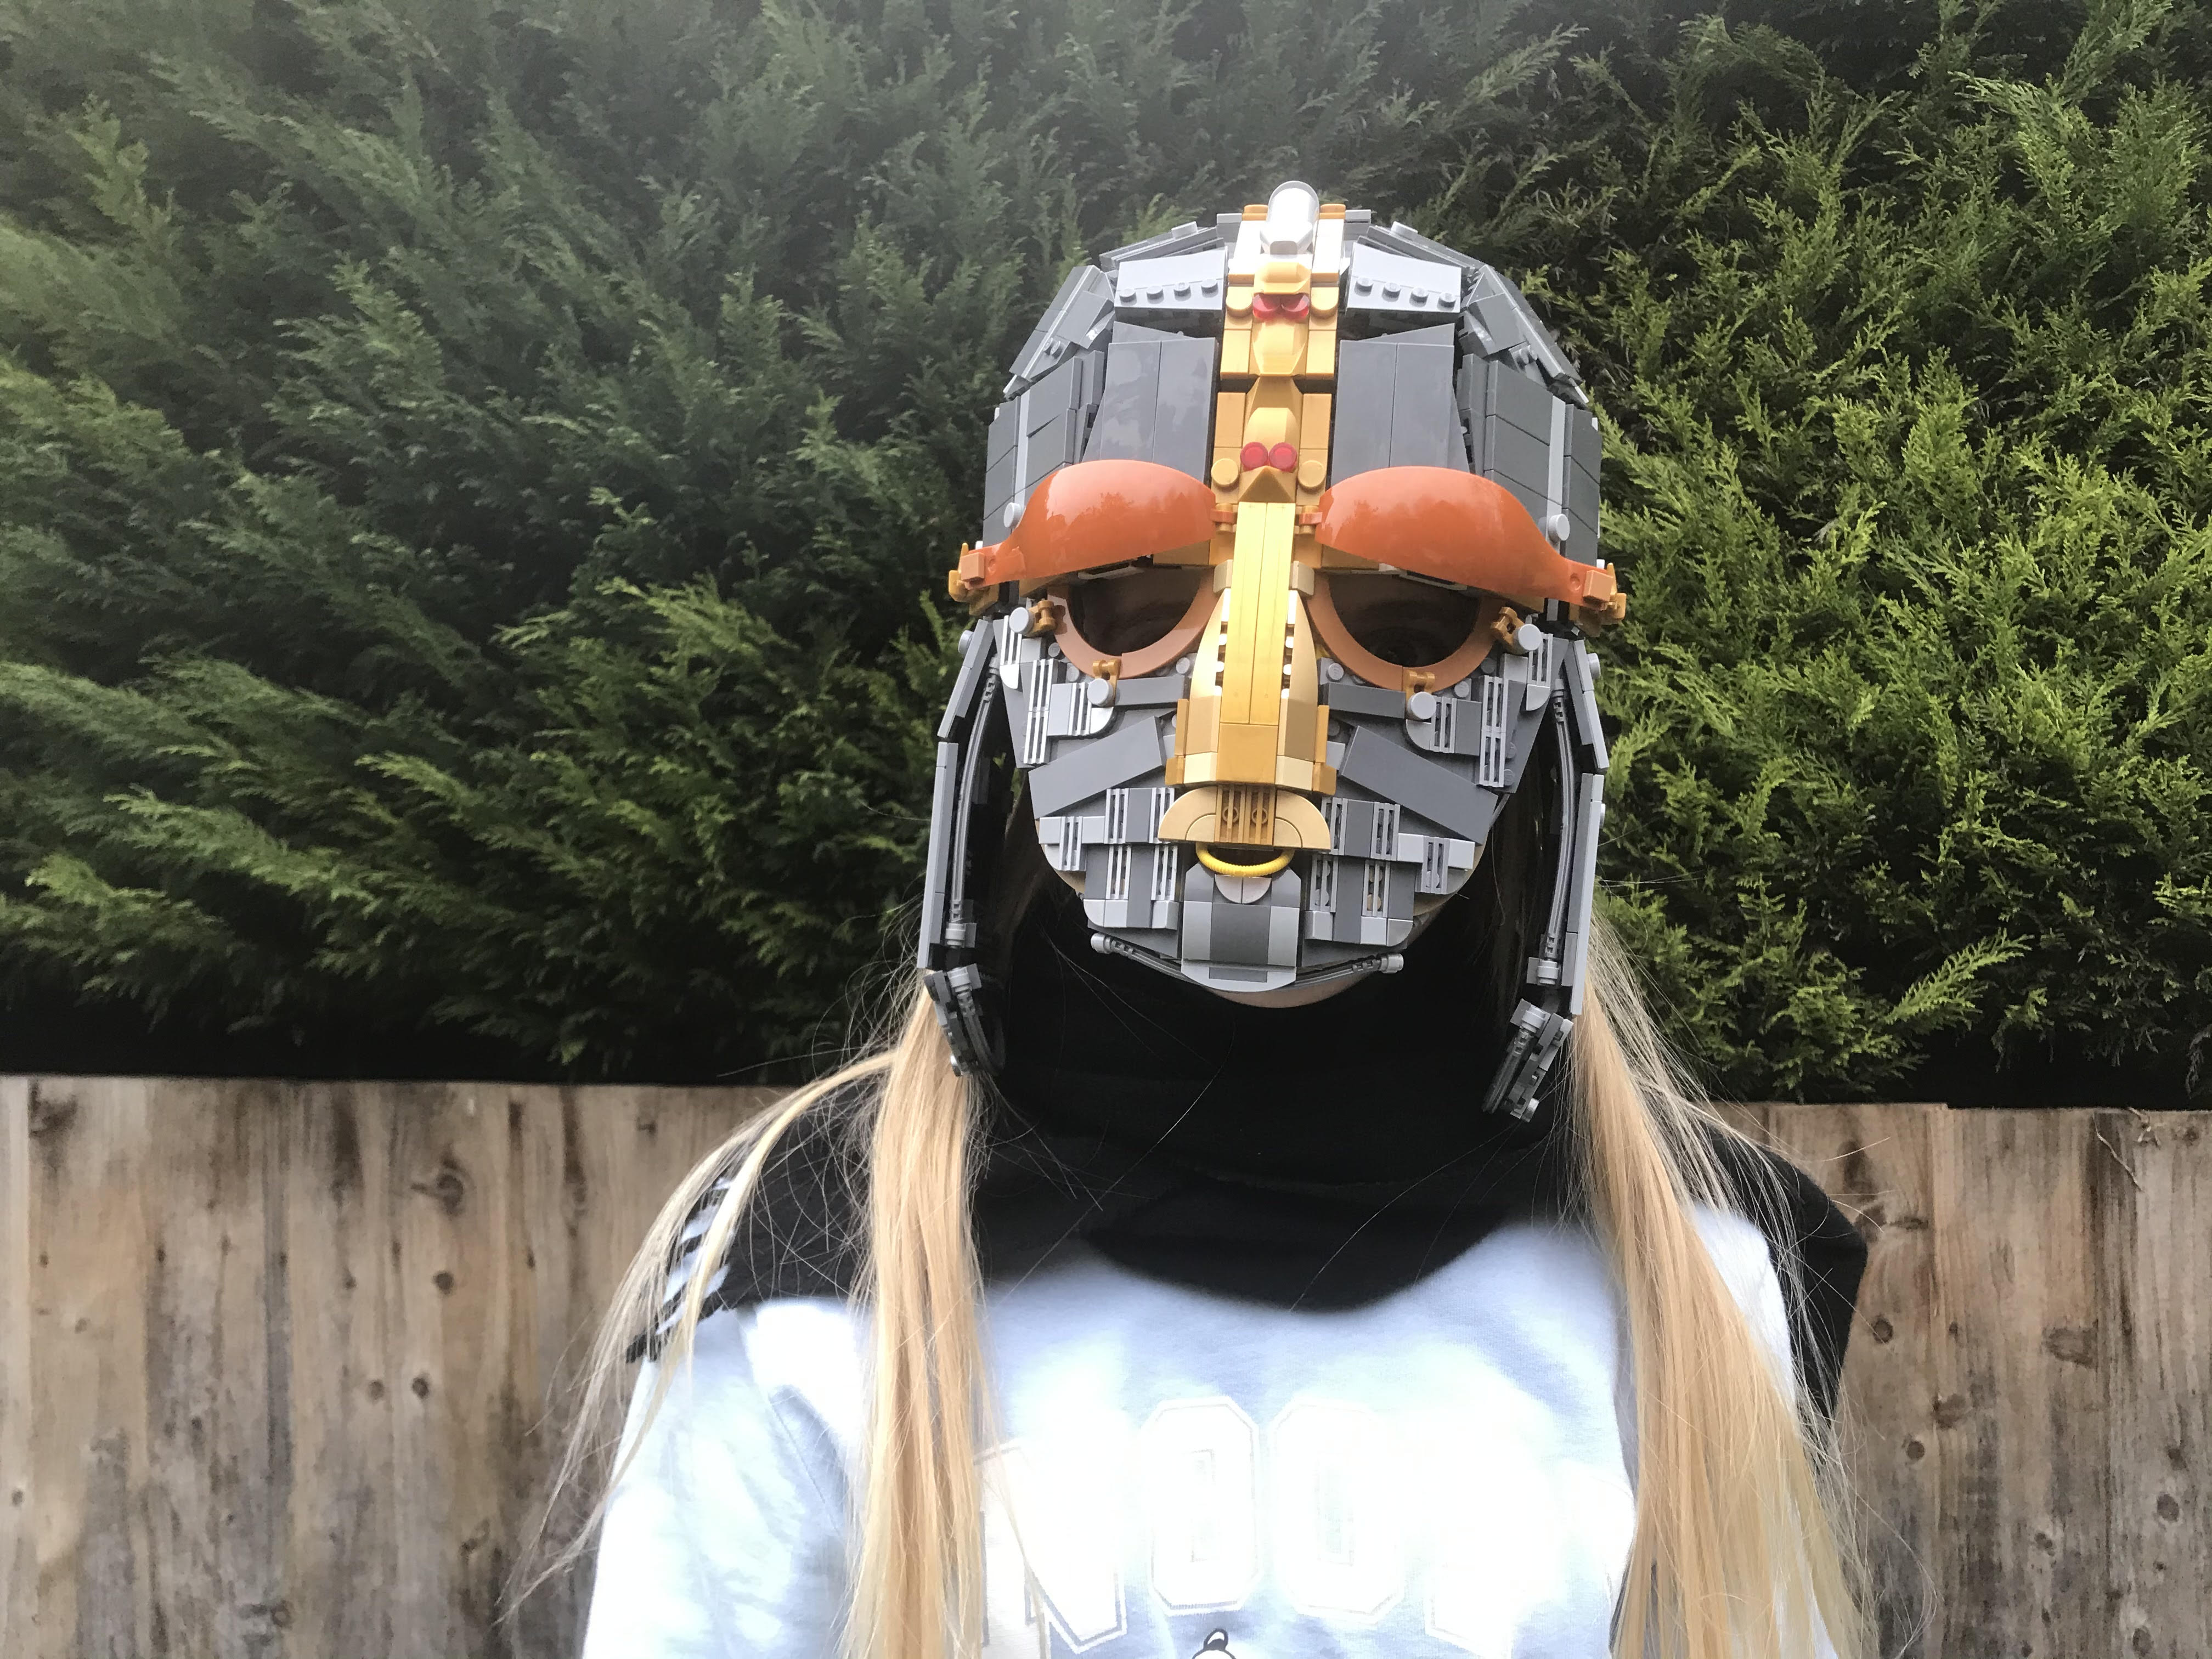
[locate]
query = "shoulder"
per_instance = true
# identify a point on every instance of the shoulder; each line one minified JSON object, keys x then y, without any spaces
{"x":1810,"y":1248}
{"x":724,"y":1531}
{"x":1745,"y":1257}
{"x":798,"y":1236}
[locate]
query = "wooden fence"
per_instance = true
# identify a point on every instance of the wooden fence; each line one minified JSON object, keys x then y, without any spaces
{"x":276,"y":1361}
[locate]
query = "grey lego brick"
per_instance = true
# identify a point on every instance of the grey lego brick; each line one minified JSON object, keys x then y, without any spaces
{"x":1184,"y":238}
{"x":1158,"y":404}
{"x":1521,"y":401}
{"x":1351,"y":696}
{"x":1424,"y":423}
{"x":970,"y":1031}
{"x":1492,"y":306}
{"x":999,"y":481}
{"x":1502,"y":312}
{"x":1583,"y":457}
{"x":1394,"y":403}
{"x":970,"y":687}
{"x":1453,"y":728}
{"x":1582,"y":701}
{"x":1538,"y":1035}
{"x":1362,"y":828}
{"x":1589,"y":821}
{"x":1079,"y":313}
{"x":1218,"y":935}
{"x":1373,"y":904}
{"x":1192,"y":281}
{"x":1514,"y":458}
{"x":1004,"y":438}
{"x":1239,"y":932}
{"x":1446,"y":796}
{"x":1092,"y":767}
{"x":1046,"y":409}
{"x":1401,"y":237}
{"x":1050,"y":420}
{"x":1183,"y":432}
{"x":944,"y":799}
{"x":1152,"y":691}
{"x":1584,"y":443}
{"x":1359,"y":420}
{"x":1471,"y":387}
{"x":1582,"y":512}
{"x":1382,"y":280}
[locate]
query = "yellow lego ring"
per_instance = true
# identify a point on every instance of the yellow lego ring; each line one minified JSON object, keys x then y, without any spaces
{"x":1222,"y":866}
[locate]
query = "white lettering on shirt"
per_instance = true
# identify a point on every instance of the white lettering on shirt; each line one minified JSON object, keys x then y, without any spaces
{"x":1202,"y":1486}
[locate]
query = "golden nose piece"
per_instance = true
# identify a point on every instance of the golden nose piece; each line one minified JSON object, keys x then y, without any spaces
{"x":1246,"y":816}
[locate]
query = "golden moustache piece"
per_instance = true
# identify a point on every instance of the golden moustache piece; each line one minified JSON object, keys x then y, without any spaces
{"x":1251,"y":738}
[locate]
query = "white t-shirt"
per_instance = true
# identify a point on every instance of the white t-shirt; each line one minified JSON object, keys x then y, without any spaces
{"x":1441,"y":1473}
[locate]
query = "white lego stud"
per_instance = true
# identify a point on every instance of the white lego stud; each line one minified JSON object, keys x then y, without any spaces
{"x":1558,"y":526}
{"x":1293,"y":212}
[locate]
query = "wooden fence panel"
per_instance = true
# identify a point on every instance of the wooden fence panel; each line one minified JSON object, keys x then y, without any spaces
{"x":19,"y":1557}
{"x":277,"y":1361}
{"x":1886,"y":1168}
{"x":2154,"y":1283}
{"x":2021,"y":1403}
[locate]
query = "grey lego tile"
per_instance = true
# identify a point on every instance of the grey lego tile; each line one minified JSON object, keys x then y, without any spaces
{"x":1359,"y":420}
{"x":1091,"y":768}
{"x":1517,"y":459}
{"x":1424,"y":423}
{"x":1158,"y":402}
{"x":1350,"y":696}
{"x":1445,"y":797}
{"x":1190,"y":281}
{"x":1079,"y":311}
{"x":1515,"y":399}
{"x":1383,"y":280}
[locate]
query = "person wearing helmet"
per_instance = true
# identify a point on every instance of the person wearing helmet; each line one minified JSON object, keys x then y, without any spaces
{"x":1274,"y":1229}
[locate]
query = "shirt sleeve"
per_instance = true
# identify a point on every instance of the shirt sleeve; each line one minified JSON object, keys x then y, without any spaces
{"x":1739,"y":1251}
{"x":726,"y":1533}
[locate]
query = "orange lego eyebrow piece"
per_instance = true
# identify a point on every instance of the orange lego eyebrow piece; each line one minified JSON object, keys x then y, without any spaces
{"x":1093,"y":513}
{"x":1457,"y":527}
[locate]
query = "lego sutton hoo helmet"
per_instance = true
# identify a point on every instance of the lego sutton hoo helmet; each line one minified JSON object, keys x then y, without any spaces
{"x":1288,"y":559}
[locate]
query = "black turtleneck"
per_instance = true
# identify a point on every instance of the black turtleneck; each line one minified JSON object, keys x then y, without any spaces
{"x":1311,"y":1158}
{"x":1317,"y":1157}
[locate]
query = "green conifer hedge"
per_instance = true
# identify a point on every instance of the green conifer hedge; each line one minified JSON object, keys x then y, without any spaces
{"x":472,"y":474}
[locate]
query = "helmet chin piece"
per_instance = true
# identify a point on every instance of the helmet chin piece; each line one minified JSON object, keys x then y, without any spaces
{"x":1271,"y":807}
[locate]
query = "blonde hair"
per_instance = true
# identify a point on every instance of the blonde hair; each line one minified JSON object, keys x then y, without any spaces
{"x":1740,"y":1549}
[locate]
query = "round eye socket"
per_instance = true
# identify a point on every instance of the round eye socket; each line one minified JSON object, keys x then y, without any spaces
{"x":1122,"y":612}
{"x":1408,"y":623}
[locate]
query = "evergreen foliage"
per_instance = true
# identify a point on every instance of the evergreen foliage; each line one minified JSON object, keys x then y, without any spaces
{"x":472,"y":476}
{"x":1909,"y":471}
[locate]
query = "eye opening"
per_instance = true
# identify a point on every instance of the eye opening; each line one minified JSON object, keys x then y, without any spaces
{"x":1128,"y":608}
{"x":1407,"y":621}
{"x":1410,"y":616}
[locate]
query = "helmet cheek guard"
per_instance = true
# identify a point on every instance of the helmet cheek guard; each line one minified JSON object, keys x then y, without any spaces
{"x":1272,"y":614}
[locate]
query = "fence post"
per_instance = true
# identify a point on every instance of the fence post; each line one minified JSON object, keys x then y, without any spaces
{"x":19,"y":1567}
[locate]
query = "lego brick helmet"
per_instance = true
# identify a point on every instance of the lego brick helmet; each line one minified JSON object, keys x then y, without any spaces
{"x":1288,"y":558}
